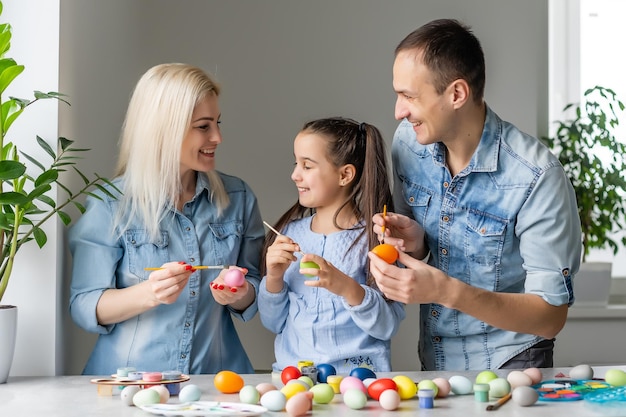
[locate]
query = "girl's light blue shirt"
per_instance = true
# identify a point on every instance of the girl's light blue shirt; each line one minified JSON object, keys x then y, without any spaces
{"x":508,"y":222}
{"x":316,"y":325}
{"x":195,"y":334}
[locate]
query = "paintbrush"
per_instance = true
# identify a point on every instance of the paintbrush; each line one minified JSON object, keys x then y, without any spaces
{"x":498,"y":403}
{"x":193,"y":266}
{"x":278,"y":233}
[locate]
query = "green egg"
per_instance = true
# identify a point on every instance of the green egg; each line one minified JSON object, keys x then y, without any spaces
{"x":146,"y":397}
{"x":309,"y":264}
{"x":615,"y":377}
{"x":322,"y":393}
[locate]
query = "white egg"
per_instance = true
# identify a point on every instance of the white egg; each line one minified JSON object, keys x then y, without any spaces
{"x":189,"y":393}
{"x":525,"y":396}
{"x":274,"y":400}
{"x":582,"y":371}
{"x":128,"y":393}
{"x":460,"y":385}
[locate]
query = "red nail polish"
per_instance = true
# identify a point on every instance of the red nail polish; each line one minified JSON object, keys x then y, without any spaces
{"x":221,"y":287}
{"x":181,"y":263}
{"x":233,"y":289}
{"x":188,"y":268}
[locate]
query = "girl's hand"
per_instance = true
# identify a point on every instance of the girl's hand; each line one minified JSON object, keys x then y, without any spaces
{"x":333,"y":280}
{"x":165,"y":285}
{"x":279,"y":256}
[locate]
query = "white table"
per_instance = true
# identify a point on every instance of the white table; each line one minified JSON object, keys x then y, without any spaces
{"x":68,"y":396}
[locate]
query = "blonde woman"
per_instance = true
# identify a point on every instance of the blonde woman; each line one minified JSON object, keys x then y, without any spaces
{"x":175,"y":212}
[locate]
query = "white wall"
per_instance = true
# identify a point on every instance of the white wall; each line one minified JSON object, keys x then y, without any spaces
{"x":280,"y":63}
{"x":35,"y":283}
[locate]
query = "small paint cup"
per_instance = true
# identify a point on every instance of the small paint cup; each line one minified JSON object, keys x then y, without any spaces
{"x":426,"y":398}
{"x":152,"y":376}
{"x":334,"y":381}
{"x":135,"y":375}
{"x":172,"y":387}
{"x":481,"y":392}
{"x":123,"y":372}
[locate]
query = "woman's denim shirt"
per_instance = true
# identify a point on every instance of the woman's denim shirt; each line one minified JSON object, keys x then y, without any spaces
{"x":193,"y":335}
{"x":507,"y":223}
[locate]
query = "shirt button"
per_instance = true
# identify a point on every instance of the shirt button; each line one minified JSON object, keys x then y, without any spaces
{"x":446,"y":184}
{"x":187,"y":324}
{"x":193,"y":293}
{"x":183,"y":356}
{"x":188,"y":228}
{"x":446,"y":219}
{"x":436,"y":339}
{"x":411,"y":199}
{"x":444,"y":251}
{"x":434,"y":313}
{"x":192,"y":259}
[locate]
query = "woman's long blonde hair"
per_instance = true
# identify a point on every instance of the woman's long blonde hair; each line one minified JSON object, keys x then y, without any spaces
{"x":157,"y":120}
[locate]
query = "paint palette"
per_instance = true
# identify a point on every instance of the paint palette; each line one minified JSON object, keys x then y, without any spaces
{"x":205,"y":408}
{"x":568,"y":389}
{"x":609,"y":402}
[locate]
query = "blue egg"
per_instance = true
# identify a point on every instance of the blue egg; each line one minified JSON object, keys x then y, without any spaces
{"x":363,"y":373}
{"x":324,"y":370}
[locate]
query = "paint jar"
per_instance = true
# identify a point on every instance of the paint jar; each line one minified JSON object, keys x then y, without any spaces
{"x":426,"y":398}
{"x":481,"y":392}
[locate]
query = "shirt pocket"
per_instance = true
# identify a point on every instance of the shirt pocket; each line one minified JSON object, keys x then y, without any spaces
{"x":144,"y":252}
{"x":484,"y":239}
{"x":418,"y":200}
{"x":227,"y":241}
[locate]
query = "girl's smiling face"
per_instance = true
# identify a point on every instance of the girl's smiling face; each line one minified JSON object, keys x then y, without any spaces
{"x":318,"y":180}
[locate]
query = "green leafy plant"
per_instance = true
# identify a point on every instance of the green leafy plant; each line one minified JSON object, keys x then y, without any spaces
{"x":24,"y":201}
{"x":600,"y":185}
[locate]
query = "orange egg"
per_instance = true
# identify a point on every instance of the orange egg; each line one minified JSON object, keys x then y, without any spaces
{"x":228,"y":382}
{"x":386,"y":252}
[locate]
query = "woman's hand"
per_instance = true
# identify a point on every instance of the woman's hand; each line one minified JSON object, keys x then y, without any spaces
{"x":166,"y":284}
{"x":237,"y":297}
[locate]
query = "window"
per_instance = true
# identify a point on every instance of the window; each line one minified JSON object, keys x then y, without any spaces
{"x":586,"y":50}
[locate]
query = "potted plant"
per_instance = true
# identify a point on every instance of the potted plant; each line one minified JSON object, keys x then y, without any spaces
{"x":25,"y":183}
{"x":595,"y":161}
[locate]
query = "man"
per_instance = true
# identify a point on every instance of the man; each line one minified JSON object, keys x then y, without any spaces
{"x":488,"y":205}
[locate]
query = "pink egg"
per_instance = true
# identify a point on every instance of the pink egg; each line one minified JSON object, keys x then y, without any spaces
{"x":534,"y":374}
{"x":299,"y":404}
{"x":352,"y":382}
{"x":443,"y":386}
{"x":264,"y":387}
{"x":234,"y":278}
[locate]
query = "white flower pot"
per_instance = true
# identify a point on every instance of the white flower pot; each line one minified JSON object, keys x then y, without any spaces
{"x":8,"y":329}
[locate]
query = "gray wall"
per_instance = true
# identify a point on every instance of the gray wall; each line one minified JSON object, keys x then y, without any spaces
{"x":280,"y":63}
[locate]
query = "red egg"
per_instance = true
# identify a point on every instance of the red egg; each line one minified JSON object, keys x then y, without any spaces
{"x":289,"y":373}
{"x":381,"y":384}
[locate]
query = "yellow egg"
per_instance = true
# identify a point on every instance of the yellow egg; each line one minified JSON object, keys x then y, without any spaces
{"x":292,"y":389}
{"x":406,"y":387}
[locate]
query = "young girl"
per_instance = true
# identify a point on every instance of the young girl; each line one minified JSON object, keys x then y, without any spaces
{"x":336,"y":316}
